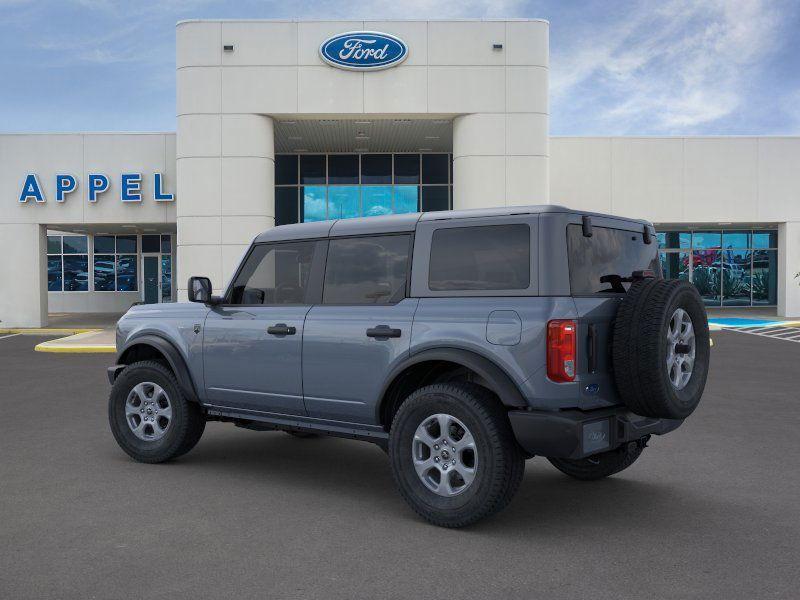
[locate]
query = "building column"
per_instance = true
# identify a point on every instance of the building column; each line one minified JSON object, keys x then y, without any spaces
{"x":24,"y":276}
{"x":788,"y":266}
{"x":500,"y":160}
{"x":226,"y":184}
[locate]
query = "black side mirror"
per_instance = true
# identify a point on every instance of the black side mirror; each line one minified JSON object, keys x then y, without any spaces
{"x":200,"y":289}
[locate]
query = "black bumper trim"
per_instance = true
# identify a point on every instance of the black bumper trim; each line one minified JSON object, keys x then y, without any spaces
{"x":113,"y":372}
{"x":578,"y":434}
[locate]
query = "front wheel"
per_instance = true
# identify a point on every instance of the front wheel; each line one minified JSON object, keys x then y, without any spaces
{"x":149,"y":416}
{"x":453,"y":454}
{"x":603,"y":464}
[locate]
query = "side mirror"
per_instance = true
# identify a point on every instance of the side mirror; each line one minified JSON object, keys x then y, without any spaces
{"x":200,"y":289}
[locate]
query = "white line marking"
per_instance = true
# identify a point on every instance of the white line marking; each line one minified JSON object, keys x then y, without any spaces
{"x":2,"y":337}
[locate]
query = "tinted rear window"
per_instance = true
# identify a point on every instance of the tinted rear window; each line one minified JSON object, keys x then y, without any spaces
{"x":607,"y":252}
{"x":492,"y":257}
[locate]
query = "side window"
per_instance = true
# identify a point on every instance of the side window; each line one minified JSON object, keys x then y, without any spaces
{"x":367,"y":270}
{"x":274,"y":274}
{"x":490,"y":257}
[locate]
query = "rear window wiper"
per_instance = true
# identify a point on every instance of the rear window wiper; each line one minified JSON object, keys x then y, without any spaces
{"x":616,"y":281}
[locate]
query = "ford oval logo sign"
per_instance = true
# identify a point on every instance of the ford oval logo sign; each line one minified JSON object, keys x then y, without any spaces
{"x":363,"y":50}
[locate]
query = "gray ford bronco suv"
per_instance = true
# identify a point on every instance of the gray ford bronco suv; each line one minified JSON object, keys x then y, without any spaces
{"x":461,"y":342}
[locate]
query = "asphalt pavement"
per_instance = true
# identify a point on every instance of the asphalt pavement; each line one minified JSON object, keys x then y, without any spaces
{"x":709,"y":511}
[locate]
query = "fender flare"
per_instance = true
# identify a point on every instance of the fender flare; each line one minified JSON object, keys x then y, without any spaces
{"x":500,"y":382}
{"x":173,"y":356}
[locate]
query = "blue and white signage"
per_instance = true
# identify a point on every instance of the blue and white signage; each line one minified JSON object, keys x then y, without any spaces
{"x":363,"y":51}
{"x":130,"y":187}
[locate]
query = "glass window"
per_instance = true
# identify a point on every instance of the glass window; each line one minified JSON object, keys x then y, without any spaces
{"x":274,"y":274}
{"x":166,"y":278}
{"x":313,"y":203}
{"x":343,"y":202}
{"x":104,"y":273}
{"x":491,"y":257}
{"x":126,"y":273}
{"x":765,"y":277}
{"x":54,"y":244}
{"x":376,"y":168}
{"x":765,"y":239}
{"x":675,"y":265}
{"x":75,"y":244}
{"x":706,"y":275}
{"x":104,"y":244}
{"x":707,"y":239}
{"x":406,"y":199}
{"x":343,"y":168}
{"x":151,"y":243}
{"x":736,"y":277}
{"x":367,"y":270}
{"x":54,"y":275}
{"x":76,"y":273}
{"x":126,"y":244}
{"x":286,"y":205}
{"x":674,"y":239}
{"x":166,"y":244}
{"x":607,"y":252}
{"x":376,"y":200}
{"x":736,"y":239}
{"x":312,"y":168}
{"x":406,"y":168}
{"x":434,"y":198}
{"x":285,"y":169}
{"x":434,"y":168}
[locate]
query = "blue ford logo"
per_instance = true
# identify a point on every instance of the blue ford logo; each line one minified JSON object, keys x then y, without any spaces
{"x":363,"y":50}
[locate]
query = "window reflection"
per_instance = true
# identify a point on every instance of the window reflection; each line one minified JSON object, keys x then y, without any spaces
{"x":377,"y":200}
{"x":343,"y":202}
{"x":314,"y":203}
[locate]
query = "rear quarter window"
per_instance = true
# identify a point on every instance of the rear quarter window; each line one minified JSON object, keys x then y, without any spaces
{"x":490,"y":257}
{"x":607,"y":252}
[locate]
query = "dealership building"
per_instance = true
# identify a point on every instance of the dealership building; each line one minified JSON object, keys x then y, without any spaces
{"x":290,"y":121}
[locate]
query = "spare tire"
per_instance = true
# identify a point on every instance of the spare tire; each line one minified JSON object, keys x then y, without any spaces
{"x":660,"y":348}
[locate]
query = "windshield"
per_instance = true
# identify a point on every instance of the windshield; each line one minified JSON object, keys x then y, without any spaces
{"x":607,"y":252}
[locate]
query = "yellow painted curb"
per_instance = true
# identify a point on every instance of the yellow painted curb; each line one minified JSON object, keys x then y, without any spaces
{"x":46,"y":331}
{"x":98,"y":349}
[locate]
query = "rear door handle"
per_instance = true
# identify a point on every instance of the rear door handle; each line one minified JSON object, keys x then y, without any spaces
{"x":383,"y":331}
{"x":281,"y":329}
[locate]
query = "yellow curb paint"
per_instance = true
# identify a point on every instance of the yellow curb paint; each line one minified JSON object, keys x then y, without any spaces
{"x":45,"y":331}
{"x":62,"y":349}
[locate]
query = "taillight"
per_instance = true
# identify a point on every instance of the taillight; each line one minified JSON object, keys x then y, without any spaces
{"x":561,"y":350}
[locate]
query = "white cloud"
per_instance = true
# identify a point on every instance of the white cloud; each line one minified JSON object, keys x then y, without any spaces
{"x":670,"y":68}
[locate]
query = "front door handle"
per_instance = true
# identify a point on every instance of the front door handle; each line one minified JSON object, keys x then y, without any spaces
{"x":281,"y":329}
{"x":383,"y":331}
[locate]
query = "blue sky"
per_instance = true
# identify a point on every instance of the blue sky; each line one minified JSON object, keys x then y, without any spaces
{"x":672,"y":67}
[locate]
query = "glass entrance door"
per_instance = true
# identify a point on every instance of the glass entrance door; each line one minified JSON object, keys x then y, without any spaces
{"x":152,"y":279}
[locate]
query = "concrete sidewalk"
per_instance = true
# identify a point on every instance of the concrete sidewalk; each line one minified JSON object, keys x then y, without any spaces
{"x":83,"y":333}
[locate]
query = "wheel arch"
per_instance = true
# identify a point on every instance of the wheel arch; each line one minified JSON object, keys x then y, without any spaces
{"x":153,"y":347}
{"x":431,"y":365}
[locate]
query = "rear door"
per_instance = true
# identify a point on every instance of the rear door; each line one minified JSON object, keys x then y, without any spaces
{"x":361,"y":328}
{"x":615,"y":247}
{"x":252,"y":344}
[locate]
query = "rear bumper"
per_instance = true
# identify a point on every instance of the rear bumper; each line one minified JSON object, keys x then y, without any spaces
{"x":577,"y":434}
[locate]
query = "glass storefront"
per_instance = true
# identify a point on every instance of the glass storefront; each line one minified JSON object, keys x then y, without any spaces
{"x":316,"y":187}
{"x":728,"y":267}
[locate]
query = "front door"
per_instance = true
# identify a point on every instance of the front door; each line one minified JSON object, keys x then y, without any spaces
{"x":150,"y":266}
{"x":361,"y":329}
{"x":252,"y":342}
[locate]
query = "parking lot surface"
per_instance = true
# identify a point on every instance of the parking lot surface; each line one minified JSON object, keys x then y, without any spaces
{"x":710,"y":511}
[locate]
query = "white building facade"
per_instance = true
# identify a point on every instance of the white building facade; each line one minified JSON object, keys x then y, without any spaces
{"x":287,"y":121}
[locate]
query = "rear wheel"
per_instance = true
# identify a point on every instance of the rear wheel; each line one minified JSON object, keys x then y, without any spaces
{"x":149,"y":416}
{"x":454,"y":457}
{"x":601,"y":465}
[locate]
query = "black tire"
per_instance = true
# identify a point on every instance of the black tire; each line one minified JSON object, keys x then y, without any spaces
{"x":640,"y":348}
{"x":500,"y":465}
{"x":600,"y":465}
{"x":184,"y":431}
